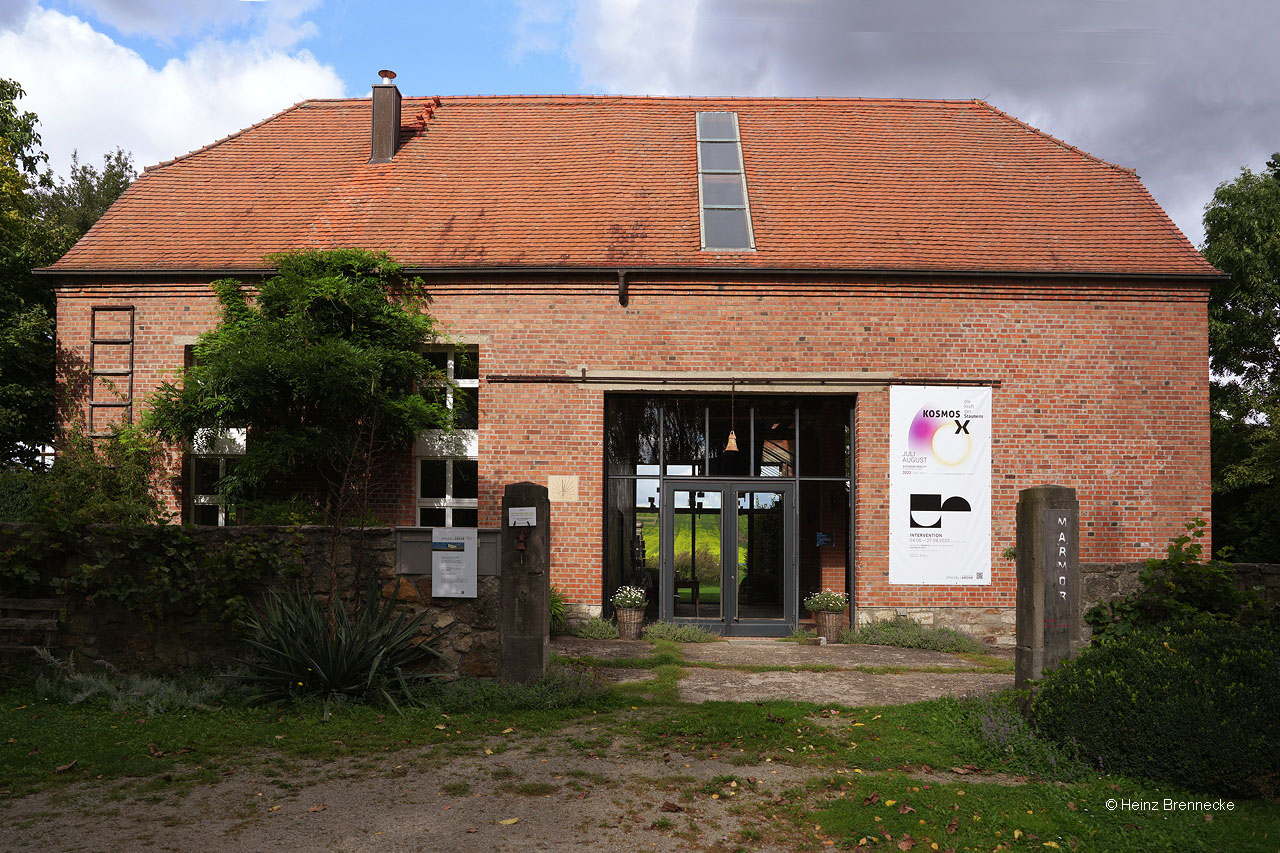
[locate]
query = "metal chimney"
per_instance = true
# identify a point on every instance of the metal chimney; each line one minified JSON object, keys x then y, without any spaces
{"x":385,"y":136}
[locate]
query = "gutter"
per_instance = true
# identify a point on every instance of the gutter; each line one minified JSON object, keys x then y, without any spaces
{"x":622,"y":274}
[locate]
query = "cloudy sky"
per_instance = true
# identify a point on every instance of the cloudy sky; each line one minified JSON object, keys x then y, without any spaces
{"x":1182,"y":90}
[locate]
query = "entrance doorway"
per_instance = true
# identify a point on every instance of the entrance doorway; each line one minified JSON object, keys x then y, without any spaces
{"x":727,"y":537}
{"x":728,"y":556}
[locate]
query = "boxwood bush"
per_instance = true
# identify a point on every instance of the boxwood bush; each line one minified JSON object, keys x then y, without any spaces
{"x":1197,"y":706}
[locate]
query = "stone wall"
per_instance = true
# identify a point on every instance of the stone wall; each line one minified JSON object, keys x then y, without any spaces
{"x":466,"y":630}
{"x":1100,"y":582}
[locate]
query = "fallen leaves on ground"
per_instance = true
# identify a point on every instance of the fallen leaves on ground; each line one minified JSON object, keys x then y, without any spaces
{"x":508,"y":821}
{"x":65,"y":767}
{"x":318,"y":807}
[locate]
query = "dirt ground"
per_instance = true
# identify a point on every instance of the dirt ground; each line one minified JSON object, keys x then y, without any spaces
{"x":397,"y":803}
{"x":541,"y":795}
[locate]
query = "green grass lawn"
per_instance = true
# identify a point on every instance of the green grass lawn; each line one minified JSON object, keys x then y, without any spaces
{"x":882,"y":774}
{"x":708,"y":538}
{"x":37,"y":737}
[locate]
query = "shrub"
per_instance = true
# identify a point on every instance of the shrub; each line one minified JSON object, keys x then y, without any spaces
{"x":828,"y":600}
{"x":561,"y":687}
{"x":103,"y":481}
{"x":1008,"y":741}
{"x":558,"y":612}
{"x":308,"y":649}
{"x":1180,"y":588}
{"x":706,"y":568}
{"x":1198,"y":708}
{"x":679,"y":633}
{"x":907,"y":633}
{"x":596,"y":628}
{"x":17,"y":494}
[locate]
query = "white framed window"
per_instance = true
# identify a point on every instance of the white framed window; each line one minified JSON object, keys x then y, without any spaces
{"x":447,"y":464}
{"x":213,"y":456}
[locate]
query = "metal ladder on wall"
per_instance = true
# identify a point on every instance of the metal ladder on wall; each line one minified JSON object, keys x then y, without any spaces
{"x":122,"y":383}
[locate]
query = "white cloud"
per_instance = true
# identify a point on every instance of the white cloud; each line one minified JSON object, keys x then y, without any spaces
{"x":538,"y":27}
{"x":166,"y":19}
{"x":1181,"y":90}
{"x":276,"y":21}
{"x":92,"y":94}
{"x":639,"y":47}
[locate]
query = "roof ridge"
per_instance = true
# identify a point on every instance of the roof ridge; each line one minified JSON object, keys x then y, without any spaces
{"x":957,"y":102}
{"x":1054,"y":139}
{"x":226,"y":138}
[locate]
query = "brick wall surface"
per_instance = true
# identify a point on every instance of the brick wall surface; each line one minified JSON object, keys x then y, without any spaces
{"x":1102,"y":387}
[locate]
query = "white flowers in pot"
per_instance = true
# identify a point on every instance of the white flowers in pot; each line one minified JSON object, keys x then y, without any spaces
{"x":826,"y":601}
{"x":630,"y":597}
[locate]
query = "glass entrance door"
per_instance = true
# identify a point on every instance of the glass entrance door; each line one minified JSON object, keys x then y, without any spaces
{"x":728,"y":556}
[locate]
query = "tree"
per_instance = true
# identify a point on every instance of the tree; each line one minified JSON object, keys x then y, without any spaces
{"x":1242,"y":238}
{"x":26,"y":306}
{"x":323,"y":366}
{"x":39,"y":221}
{"x":74,"y":203}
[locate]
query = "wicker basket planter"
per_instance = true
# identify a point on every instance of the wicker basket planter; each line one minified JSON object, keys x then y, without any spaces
{"x":829,"y":625}
{"x":630,"y":620}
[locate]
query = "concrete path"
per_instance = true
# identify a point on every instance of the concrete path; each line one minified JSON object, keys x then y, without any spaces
{"x":844,"y":686}
{"x":837,"y":688}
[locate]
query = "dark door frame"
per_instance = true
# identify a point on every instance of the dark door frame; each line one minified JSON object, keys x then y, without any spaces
{"x":729,"y":624}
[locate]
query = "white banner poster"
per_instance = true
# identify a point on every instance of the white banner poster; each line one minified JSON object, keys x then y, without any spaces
{"x":939,"y":485}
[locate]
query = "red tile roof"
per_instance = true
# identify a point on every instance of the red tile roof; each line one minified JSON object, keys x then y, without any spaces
{"x":611,"y":181}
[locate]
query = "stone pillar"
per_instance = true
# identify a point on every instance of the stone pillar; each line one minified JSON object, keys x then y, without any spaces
{"x":524,"y":624}
{"x":1048,"y":616}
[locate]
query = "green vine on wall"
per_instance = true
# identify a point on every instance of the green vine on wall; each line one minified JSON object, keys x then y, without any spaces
{"x":157,"y":571}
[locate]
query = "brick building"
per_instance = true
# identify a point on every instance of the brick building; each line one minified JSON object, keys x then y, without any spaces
{"x":640,"y":277}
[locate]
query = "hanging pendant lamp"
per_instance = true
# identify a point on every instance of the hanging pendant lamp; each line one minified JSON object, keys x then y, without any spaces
{"x":731,"y":446}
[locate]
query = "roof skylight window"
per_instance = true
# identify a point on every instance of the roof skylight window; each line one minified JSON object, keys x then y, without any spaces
{"x":722,"y":184}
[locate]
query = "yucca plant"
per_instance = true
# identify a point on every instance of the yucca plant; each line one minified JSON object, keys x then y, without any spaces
{"x":309,"y":649}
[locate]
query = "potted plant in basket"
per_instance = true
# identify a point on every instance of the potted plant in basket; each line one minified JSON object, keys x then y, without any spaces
{"x":828,"y":608}
{"x":630,"y":602}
